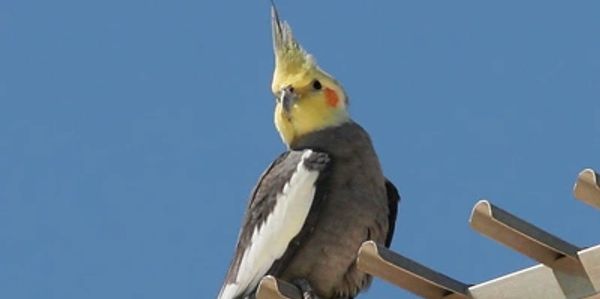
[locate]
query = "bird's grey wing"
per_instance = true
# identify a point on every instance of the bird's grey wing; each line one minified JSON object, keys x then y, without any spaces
{"x":277,"y":210}
{"x":323,"y":162}
{"x":393,"y":201}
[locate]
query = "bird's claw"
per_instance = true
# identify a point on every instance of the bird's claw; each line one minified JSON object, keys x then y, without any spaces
{"x":305,"y":288}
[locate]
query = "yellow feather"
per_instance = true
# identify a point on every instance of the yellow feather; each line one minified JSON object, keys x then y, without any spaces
{"x":296,"y":68}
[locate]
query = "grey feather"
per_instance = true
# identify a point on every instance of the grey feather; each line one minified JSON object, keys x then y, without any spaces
{"x":353,"y":203}
{"x":264,"y":197}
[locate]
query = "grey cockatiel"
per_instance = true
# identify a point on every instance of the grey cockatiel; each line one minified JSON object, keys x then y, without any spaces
{"x":318,"y":202}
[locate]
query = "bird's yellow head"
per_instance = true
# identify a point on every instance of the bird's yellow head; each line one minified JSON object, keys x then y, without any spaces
{"x":308,"y":99}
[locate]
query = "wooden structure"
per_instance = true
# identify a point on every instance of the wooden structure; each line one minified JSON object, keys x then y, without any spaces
{"x":565,"y":270}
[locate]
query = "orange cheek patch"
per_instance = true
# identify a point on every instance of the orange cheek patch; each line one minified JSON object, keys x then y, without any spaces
{"x":331,"y":97}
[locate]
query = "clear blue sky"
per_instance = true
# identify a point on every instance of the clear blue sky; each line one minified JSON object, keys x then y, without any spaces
{"x":131,"y":132}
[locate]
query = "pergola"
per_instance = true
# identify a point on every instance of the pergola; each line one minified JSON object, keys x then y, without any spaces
{"x":564,"y":270}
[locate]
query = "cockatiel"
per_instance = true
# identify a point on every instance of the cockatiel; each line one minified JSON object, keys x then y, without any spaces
{"x":321,"y":199}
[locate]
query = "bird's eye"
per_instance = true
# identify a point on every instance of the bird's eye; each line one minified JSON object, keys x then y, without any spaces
{"x":317,"y":85}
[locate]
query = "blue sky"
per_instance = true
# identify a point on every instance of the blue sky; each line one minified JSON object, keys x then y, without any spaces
{"x":131,"y":132}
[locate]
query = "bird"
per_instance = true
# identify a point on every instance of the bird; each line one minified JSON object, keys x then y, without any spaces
{"x":322,"y":198}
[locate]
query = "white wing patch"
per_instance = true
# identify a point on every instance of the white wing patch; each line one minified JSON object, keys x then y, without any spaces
{"x":269,"y":242}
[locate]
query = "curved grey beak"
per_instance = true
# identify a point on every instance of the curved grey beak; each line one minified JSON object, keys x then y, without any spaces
{"x":287,"y":97}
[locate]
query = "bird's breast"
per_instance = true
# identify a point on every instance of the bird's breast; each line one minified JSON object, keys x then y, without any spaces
{"x":354,"y":209}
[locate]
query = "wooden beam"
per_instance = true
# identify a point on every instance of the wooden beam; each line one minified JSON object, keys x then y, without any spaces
{"x":587,"y":188}
{"x":524,"y":237}
{"x":273,"y":288}
{"x":408,"y":274}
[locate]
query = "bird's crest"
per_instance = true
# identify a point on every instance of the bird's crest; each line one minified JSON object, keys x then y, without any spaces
{"x":290,"y":57}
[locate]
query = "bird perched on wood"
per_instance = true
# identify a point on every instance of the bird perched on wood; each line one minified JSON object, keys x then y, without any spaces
{"x":321,"y":199}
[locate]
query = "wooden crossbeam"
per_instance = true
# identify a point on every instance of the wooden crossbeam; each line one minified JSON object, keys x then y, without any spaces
{"x":524,"y":237}
{"x":587,"y":188}
{"x":273,"y":288}
{"x":408,"y":274}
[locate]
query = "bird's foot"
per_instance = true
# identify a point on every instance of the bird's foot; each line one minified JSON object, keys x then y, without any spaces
{"x":305,"y":288}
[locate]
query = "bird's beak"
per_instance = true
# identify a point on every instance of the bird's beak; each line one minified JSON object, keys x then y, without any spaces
{"x":287,"y":98}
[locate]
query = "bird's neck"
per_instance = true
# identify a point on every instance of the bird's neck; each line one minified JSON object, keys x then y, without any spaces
{"x":331,"y":138}
{"x":296,"y":128}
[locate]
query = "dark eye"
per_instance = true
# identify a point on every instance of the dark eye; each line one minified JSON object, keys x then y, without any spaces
{"x":316,"y":85}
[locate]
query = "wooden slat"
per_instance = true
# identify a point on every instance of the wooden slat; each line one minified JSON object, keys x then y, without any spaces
{"x":524,"y":237}
{"x":590,"y":258}
{"x":539,"y":281}
{"x":273,"y":288}
{"x":407,"y":274}
{"x":587,"y":188}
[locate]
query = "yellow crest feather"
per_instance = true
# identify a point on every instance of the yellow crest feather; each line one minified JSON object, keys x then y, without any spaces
{"x":290,"y":57}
